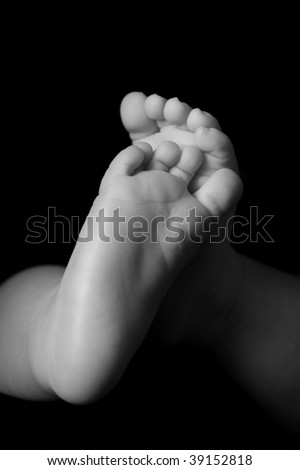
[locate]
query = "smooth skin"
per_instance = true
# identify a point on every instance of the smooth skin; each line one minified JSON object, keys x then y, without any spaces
{"x":247,"y":313}
{"x":62,"y":335}
{"x":72,"y":333}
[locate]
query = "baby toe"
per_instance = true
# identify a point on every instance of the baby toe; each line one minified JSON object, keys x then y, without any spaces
{"x":221,"y":192}
{"x":199,"y":118}
{"x":176,"y":112}
{"x":127,"y":161}
{"x":189,"y":162}
{"x":165,"y":156}
{"x":215,"y":143}
{"x":147,"y":149}
{"x":134,"y":117}
{"x":154,"y":107}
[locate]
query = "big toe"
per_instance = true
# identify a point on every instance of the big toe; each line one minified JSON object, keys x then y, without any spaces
{"x":134,"y":117}
{"x":127,"y":162}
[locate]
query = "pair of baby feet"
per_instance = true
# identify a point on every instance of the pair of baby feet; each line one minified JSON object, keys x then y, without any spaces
{"x":180,"y":164}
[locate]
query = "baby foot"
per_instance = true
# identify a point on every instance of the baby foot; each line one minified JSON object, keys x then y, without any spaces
{"x":111,"y":289}
{"x":154,"y":120}
{"x":204,"y":290}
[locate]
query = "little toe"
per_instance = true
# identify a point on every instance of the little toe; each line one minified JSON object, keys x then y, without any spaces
{"x":176,"y":112}
{"x":199,"y":118}
{"x":128,"y":161}
{"x":165,"y":156}
{"x":215,"y":143}
{"x":189,"y":162}
{"x":221,"y":192}
{"x":134,"y":117}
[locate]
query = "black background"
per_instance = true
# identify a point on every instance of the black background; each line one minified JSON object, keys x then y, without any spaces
{"x":62,"y":128}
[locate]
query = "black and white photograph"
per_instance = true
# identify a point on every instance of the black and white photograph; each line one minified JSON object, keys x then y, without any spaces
{"x":150,"y":274}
